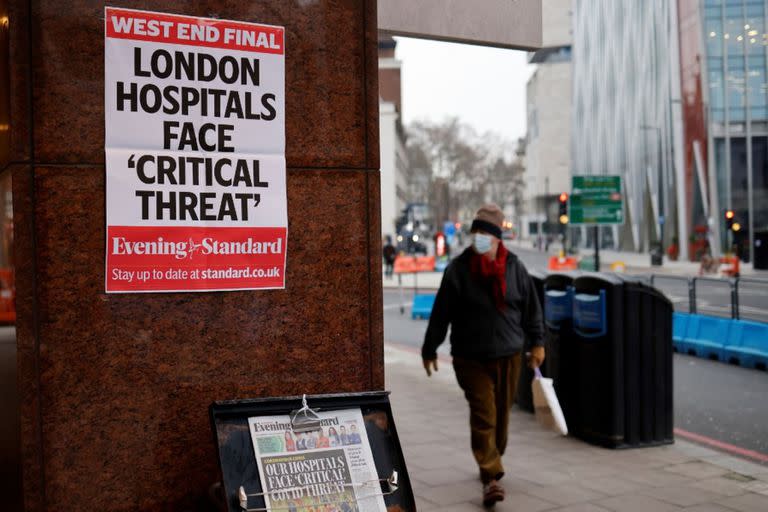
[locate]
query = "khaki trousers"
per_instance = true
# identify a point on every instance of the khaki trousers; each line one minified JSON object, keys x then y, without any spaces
{"x":489,"y":387}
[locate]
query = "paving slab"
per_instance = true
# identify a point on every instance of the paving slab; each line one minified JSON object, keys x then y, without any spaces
{"x":750,"y":502}
{"x":549,"y":472}
{"x":636,"y":503}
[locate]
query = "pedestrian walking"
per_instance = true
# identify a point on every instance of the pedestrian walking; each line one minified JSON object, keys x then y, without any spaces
{"x":488,"y":299}
{"x":389,"y":253}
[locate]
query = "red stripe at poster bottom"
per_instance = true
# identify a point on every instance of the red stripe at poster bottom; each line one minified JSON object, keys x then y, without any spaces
{"x":184,"y":259}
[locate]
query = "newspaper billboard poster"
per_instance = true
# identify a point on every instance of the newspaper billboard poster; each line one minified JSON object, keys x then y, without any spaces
{"x":195,"y":153}
{"x":328,"y":469}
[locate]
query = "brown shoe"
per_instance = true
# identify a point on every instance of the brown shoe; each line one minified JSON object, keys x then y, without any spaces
{"x":492,"y":492}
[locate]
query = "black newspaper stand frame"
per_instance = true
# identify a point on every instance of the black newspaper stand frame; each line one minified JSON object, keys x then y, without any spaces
{"x":237,"y":459}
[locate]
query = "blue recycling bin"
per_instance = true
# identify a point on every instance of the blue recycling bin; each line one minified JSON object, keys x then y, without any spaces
{"x":558,"y":322}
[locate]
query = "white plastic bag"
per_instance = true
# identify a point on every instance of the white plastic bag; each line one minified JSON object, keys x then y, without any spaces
{"x":546,"y":405}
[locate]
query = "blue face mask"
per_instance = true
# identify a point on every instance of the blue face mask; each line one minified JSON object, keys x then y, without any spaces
{"x":482,"y":243}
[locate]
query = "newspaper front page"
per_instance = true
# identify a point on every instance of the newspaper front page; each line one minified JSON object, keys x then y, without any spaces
{"x":330,"y":470}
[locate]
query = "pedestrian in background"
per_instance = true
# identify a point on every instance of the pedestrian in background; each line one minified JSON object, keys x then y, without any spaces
{"x":389,"y":253}
{"x":488,"y":299}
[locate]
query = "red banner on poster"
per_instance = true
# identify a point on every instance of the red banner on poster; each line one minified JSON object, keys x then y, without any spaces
{"x":193,"y":31}
{"x":188,"y":258}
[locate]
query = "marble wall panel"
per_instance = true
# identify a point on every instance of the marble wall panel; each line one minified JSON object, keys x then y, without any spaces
{"x":18,"y":86}
{"x":126,"y":379}
{"x":26,"y":340}
{"x":115,"y":388}
{"x":375,"y":261}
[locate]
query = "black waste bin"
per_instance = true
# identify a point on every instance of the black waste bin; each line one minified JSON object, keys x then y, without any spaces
{"x":761,"y":250}
{"x":558,"y":316}
{"x":524,"y":394}
{"x":657,"y":255}
{"x":538,"y":284}
{"x":598,"y":360}
{"x":648,"y":408}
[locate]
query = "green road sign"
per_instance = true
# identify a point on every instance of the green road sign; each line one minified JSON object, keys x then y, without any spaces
{"x":596,"y":200}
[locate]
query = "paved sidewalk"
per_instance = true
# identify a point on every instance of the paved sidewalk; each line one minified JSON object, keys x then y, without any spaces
{"x":637,"y":263}
{"x":549,"y":472}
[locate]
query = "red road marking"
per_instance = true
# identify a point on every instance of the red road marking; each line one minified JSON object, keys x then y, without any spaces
{"x":720,"y":445}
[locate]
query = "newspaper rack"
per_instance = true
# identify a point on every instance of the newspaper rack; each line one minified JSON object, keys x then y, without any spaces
{"x":239,"y":468}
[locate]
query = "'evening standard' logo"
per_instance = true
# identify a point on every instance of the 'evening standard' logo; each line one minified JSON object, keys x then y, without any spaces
{"x":121,"y":246}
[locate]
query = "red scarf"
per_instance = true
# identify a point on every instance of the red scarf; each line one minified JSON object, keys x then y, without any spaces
{"x":493,"y":273}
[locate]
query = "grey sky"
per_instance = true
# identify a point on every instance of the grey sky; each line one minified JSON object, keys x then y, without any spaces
{"x":484,"y":87}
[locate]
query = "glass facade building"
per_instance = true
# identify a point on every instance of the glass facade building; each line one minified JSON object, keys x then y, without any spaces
{"x":735,"y":61}
{"x":626,"y":84}
{"x":673,"y":96}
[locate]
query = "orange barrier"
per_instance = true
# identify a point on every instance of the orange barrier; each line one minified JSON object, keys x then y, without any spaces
{"x":7,"y":297}
{"x":557,"y":263}
{"x":729,"y":266}
{"x":411,"y":264}
{"x":618,"y":266}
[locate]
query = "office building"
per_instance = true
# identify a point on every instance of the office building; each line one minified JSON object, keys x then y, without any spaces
{"x":393,"y":157}
{"x":548,"y":105}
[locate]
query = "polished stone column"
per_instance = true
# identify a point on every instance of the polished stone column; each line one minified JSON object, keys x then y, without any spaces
{"x":115,"y":389}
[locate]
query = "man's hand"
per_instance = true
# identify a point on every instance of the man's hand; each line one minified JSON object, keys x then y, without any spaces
{"x":429,"y":365}
{"x":536,"y":357}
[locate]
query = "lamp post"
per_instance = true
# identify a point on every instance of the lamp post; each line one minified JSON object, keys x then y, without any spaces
{"x":661,"y":183}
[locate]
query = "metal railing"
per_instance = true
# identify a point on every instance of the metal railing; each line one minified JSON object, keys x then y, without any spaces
{"x":734,"y":287}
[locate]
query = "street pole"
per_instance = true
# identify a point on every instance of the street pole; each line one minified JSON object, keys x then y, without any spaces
{"x":546,"y":211}
{"x":662,"y":192}
{"x":660,"y":183}
{"x":596,"y":234}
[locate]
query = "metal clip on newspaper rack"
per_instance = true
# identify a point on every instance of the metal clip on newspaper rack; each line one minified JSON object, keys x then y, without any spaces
{"x":391,"y":481}
{"x":305,"y":419}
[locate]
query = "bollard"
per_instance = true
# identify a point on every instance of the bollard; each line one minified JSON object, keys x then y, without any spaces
{"x":692,"y":295}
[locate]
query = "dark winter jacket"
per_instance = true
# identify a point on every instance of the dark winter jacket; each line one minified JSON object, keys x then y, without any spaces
{"x":479,"y":330}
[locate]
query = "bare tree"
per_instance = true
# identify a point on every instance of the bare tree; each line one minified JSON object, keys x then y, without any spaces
{"x":474,"y":169}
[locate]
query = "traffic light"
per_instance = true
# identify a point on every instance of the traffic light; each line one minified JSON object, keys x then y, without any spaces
{"x":563,"y":208}
{"x":730,"y":219}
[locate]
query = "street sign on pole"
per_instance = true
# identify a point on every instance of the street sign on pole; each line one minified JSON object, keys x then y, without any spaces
{"x":596,"y":200}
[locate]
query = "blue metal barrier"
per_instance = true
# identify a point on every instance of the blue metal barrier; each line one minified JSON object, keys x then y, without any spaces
{"x":422,"y":305}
